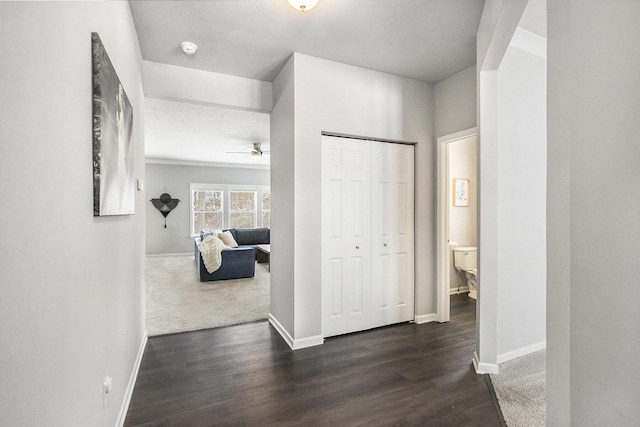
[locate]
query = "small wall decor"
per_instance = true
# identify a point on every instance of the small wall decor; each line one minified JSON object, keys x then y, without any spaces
{"x":165,"y":204}
{"x":113,"y":180}
{"x":461,"y":192}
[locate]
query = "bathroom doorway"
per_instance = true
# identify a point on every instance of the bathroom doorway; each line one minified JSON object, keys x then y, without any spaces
{"x":457,"y":200}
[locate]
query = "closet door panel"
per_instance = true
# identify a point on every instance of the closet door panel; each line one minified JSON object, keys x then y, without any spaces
{"x":367,"y":234}
{"x":346,"y":298}
{"x":392,"y":228}
{"x":404,"y":242}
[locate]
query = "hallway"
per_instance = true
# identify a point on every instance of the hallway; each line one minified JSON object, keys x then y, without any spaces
{"x":246,"y":375}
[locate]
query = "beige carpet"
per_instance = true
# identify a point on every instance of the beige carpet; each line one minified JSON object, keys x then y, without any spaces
{"x":178,"y":302}
{"x":521,"y":387}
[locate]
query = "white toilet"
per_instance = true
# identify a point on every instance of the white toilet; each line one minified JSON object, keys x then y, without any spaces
{"x":465,"y":259}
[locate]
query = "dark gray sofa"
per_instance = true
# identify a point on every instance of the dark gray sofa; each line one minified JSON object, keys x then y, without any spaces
{"x":237,"y":263}
{"x":251,"y":236}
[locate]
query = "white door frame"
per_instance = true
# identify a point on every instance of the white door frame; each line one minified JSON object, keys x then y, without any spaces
{"x":443,"y":245}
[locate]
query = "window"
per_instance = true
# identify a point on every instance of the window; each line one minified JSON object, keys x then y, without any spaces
{"x":217,"y":207}
{"x":242,"y":209}
{"x":207,"y":209}
{"x":266,"y":209}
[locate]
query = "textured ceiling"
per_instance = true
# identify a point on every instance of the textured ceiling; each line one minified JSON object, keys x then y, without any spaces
{"x":204,"y":133}
{"x":427,"y":40}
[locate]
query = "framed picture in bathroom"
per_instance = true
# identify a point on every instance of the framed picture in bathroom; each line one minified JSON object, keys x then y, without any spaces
{"x":461,"y":192}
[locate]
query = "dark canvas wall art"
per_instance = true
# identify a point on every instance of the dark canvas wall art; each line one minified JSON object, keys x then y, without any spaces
{"x":113,"y":180}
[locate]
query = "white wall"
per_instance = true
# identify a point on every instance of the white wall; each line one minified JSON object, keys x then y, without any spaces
{"x":497,"y":26}
{"x":175,"y":180}
{"x":333,"y":97}
{"x":463,"y":221}
{"x":593,"y":211}
{"x":204,"y":87}
{"x":455,"y":103}
{"x":522,"y":148}
{"x":72,"y":307}
{"x":282,"y":199}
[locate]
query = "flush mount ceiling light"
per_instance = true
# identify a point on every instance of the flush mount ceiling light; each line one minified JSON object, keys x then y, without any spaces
{"x":188,"y":48}
{"x":303,"y":5}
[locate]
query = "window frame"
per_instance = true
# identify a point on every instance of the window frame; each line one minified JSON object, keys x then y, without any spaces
{"x":262,"y":209}
{"x":226,"y":199}
{"x":204,"y":188}
{"x":256,"y":193}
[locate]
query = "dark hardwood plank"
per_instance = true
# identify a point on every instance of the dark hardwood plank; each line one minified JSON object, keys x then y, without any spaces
{"x":246,"y":375}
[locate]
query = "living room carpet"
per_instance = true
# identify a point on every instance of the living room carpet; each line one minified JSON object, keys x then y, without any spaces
{"x":177,"y":302}
{"x":521,"y":387}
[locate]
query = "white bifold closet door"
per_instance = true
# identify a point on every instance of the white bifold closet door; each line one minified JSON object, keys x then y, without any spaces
{"x":367,"y":234}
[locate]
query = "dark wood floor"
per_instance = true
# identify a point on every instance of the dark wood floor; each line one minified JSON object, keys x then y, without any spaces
{"x":247,"y":376}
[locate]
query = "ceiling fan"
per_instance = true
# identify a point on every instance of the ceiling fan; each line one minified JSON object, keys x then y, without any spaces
{"x":256,"y":151}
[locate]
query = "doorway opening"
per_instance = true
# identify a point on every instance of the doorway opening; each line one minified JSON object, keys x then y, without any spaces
{"x":216,"y":161}
{"x":457,"y":204}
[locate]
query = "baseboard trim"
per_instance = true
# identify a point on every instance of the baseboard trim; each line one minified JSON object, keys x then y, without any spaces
{"x":281,"y":330}
{"x":484,"y":368}
{"x":124,"y":408}
{"x":514,"y":354}
{"x":308,"y":342}
{"x":461,"y":290}
{"x":425,"y":318}
{"x":292,"y":343}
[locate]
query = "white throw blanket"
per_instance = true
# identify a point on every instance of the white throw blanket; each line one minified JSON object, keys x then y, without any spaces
{"x":211,"y":250}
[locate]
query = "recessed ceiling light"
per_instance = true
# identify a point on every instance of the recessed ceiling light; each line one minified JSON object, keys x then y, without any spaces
{"x":188,"y":48}
{"x":303,"y":5}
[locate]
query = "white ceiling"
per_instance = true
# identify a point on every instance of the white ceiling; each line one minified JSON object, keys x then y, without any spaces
{"x":428,"y":40}
{"x":204,"y":133}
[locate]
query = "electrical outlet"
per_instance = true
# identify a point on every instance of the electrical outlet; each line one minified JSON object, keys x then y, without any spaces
{"x":106,"y":391}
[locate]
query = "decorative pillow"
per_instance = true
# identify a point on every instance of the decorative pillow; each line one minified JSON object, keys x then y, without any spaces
{"x":204,"y":233}
{"x":227,"y":239}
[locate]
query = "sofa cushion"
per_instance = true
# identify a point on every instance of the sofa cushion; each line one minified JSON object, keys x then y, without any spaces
{"x":252,"y":236}
{"x":227,"y":239}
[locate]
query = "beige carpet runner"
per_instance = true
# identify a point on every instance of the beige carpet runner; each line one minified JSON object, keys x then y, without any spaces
{"x":521,"y":388}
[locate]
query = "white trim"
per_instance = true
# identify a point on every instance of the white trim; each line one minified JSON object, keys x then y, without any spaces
{"x":529,"y":42}
{"x":308,"y":342}
{"x":484,"y":368}
{"x":281,"y":330}
{"x":165,"y":255}
{"x":456,"y":291}
{"x":124,"y":408}
{"x":425,"y":318}
{"x":366,"y":138}
{"x":443,"y":251}
{"x":292,"y":343}
{"x":519,"y":352}
{"x":205,"y":164}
